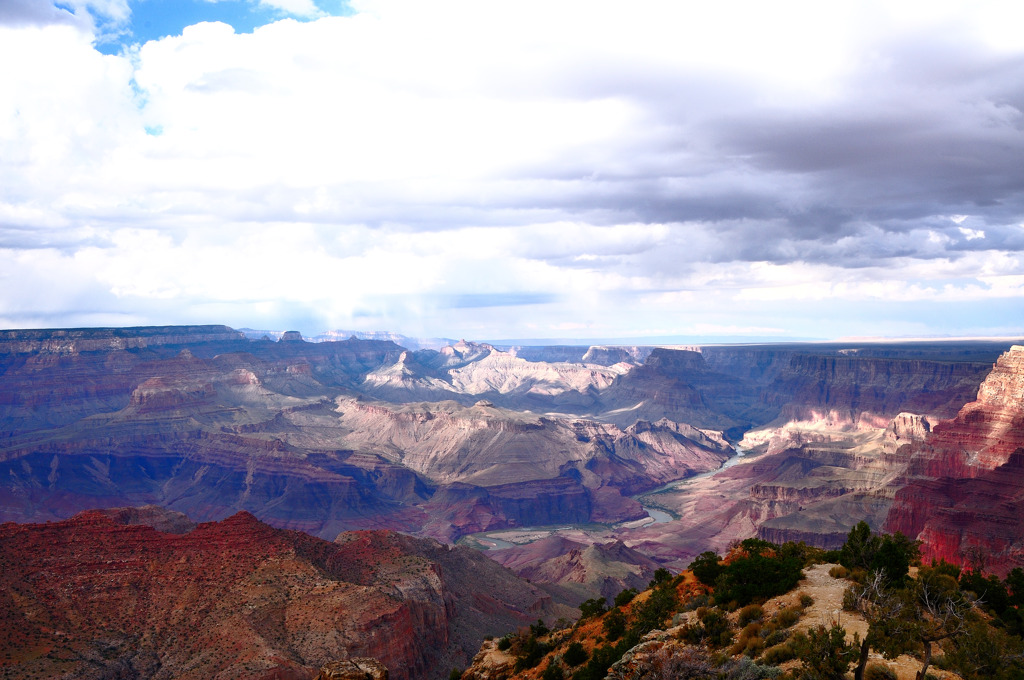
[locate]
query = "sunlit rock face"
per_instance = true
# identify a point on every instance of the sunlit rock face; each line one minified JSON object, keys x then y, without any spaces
{"x":964,"y":491}
{"x":96,"y":597}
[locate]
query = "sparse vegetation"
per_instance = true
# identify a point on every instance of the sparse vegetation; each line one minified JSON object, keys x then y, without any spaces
{"x":732,"y":634}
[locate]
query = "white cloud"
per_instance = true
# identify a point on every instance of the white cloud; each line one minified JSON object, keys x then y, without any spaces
{"x":295,"y":8}
{"x":650,"y":165}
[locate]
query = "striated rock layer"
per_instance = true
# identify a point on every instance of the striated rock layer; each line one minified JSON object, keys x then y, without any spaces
{"x":91,"y":597}
{"x":963,"y":494}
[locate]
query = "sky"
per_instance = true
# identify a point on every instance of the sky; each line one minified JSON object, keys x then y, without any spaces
{"x":495,"y":170}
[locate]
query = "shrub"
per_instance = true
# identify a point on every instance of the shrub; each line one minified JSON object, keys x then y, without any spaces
{"x":593,"y":607}
{"x":850,"y":599}
{"x":706,"y":567}
{"x":889,"y":554}
{"x":749,"y":641}
{"x":455,"y":674}
{"x":787,"y":617}
{"x":575,"y":654}
{"x":805,"y":600}
{"x":695,"y":602}
{"x":614,"y":624}
{"x":752,"y":612}
{"x":754,"y":647}
{"x":745,"y":669}
{"x":625,"y":597}
{"x":504,"y":643}
{"x":661,"y":575}
{"x":773,"y":636}
{"x":712,"y":628}
{"x":758,"y":576}
{"x":879,"y":671}
{"x":839,"y":571}
{"x":654,"y":610}
{"x":750,"y":631}
{"x":825,"y":653}
{"x":531,"y":653}
{"x":602,"y":657}
{"x":553,"y":672}
{"x":777,"y":654}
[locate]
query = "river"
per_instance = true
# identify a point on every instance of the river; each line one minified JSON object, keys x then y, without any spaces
{"x":489,"y":540}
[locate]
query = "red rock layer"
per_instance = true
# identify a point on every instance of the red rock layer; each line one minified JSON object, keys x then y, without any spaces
{"x":88,"y":598}
{"x":964,"y":492}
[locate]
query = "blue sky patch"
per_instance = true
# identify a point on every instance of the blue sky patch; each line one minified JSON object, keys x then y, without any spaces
{"x":155,"y":19}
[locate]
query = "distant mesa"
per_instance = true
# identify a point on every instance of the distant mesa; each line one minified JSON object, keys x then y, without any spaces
{"x":291,"y":336}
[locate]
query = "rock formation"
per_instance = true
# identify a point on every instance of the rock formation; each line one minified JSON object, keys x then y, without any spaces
{"x":963,"y":494}
{"x":588,"y":570}
{"x":361,"y":668}
{"x":93,"y":597}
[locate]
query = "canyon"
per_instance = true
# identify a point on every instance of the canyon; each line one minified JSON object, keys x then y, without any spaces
{"x":130,"y":593}
{"x":597,"y":464}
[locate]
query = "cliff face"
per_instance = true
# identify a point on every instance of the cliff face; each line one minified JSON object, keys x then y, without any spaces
{"x":679,"y":385}
{"x":854,"y":388}
{"x":76,"y":341}
{"x":963,"y":494}
{"x":90,"y":597}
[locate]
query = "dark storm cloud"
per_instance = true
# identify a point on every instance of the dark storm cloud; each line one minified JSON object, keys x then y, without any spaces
{"x":930,"y":129}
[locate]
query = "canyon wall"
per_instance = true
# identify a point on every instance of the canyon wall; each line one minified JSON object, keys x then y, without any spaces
{"x":963,"y":493}
{"x":94,"y":597}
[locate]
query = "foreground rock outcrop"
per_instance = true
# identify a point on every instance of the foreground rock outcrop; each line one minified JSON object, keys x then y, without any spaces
{"x":360,"y":668}
{"x":95,"y":597}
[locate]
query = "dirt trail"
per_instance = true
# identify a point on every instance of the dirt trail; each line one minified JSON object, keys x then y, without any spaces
{"x":828,"y":608}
